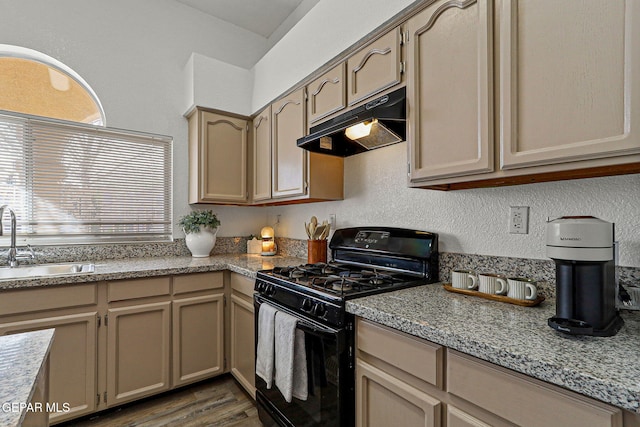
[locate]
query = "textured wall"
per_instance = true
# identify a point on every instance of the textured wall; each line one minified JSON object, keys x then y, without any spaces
{"x":470,"y":221}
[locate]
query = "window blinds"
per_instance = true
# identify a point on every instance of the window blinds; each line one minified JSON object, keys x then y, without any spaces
{"x":75,"y":183}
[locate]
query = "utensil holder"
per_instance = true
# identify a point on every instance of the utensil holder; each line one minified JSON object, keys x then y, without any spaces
{"x":316,"y":251}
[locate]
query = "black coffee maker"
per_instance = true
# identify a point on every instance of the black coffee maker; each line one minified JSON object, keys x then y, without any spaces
{"x":583,"y":250}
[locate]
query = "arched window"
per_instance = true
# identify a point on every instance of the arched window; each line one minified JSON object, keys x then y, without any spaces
{"x":34,"y":83}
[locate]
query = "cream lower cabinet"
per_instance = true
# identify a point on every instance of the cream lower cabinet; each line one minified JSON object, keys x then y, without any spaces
{"x":138,"y":339}
{"x":73,"y":312}
{"x":198,"y":327}
{"x":566,"y":100}
{"x":242,"y":333}
{"x":384,"y":400}
{"x":401,"y":380}
{"x":398,"y":379}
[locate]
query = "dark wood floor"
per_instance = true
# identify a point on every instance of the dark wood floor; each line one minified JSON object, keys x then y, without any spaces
{"x":218,"y":402}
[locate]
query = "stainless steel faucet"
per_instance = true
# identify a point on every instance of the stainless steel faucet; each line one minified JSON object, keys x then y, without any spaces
{"x":12,"y":254}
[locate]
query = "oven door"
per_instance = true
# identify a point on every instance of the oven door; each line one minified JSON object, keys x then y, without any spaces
{"x":330,"y":375}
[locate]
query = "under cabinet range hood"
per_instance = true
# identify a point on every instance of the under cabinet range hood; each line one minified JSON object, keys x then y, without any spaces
{"x":376,"y":124}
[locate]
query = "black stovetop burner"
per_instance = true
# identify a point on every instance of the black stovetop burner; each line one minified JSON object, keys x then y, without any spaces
{"x":341,"y":279}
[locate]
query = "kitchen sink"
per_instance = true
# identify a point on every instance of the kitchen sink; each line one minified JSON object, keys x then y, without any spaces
{"x":46,"y":270}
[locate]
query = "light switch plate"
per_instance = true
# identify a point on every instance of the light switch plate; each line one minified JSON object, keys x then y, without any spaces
{"x":519,"y":220}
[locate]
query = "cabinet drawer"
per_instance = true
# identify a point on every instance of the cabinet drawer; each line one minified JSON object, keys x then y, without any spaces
{"x":242,"y":284}
{"x":522,"y":400}
{"x":30,"y":300}
{"x":417,"y":357}
{"x":139,"y":288}
{"x":197,"y":282}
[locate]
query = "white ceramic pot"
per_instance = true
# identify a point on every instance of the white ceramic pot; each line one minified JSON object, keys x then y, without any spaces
{"x":200,"y":244}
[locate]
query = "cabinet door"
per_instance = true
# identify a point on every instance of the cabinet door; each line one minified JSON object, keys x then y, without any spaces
{"x":518,"y":398}
{"x":458,"y":418}
{"x":327,"y":94}
{"x":383,"y":400}
{"x":374,"y":68}
{"x":72,"y":358}
{"x":137,"y":351}
{"x":243,"y":361}
{"x":223,"y":157}
{"x":289,"y":160}
{"x":262,"y":156}
{"x":569,"y":81}
{"x":449,"y":94}
{"x":198,"y":333}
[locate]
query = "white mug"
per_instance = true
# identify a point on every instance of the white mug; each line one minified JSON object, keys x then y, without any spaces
{"x":464,"y":279}
{"x":522,"y":288}
{"x":492,"y":284}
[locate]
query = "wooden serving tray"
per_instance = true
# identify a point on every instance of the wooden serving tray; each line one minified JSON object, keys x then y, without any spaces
{"x":501,"y":298}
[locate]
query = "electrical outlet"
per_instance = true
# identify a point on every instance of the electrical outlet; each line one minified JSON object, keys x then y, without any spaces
{"x":519,"y":220}
{"x":332,"y":221}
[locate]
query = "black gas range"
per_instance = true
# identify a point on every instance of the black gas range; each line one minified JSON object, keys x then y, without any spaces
{"x":366,"y":261}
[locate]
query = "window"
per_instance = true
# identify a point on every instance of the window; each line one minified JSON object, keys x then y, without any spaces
{"x":77,"y":183}
{"x":83,"y":183}
{"x":34,"y":83}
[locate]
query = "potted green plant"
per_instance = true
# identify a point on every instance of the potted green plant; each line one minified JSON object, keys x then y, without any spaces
{"x":200,"y":229}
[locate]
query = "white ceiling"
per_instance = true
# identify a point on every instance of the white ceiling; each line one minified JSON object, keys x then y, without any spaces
{"x":262,"y":17}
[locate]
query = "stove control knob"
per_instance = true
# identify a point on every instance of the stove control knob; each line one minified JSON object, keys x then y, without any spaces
{"x":270,"y":290}
{"x":319,"y":309}
{"x":260,"y":287}
{"x":307,"y":305}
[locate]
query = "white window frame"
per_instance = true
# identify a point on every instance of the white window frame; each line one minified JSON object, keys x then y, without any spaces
{"x":52,"y":134}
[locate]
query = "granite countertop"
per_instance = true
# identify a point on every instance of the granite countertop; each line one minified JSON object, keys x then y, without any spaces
{"x":518,"y":338}
{"x":21,"y":359}
{"x":245,"y":264}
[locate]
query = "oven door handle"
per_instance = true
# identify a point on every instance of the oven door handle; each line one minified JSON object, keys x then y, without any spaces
{"x":314,"y":328}
{"x":302,"y":324}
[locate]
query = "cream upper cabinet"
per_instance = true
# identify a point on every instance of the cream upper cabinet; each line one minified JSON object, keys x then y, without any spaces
{"x":294,"y":174}
{"x":562,"y":77}
{"x":262,"y":156}
{"x":327,"y":94}
{"x":218,"y":158}
{"x":375,"y":67}
{"x":449,"y":90}
{"x":569,"y":81}
{"x":289,"y":161}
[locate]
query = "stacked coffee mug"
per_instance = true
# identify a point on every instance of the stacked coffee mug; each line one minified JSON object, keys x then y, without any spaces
{"x":494,"y":284}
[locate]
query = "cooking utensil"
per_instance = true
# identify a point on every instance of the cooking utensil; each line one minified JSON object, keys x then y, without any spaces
{"x":306,"y":228}
{"x":319,"y":232}
{"x":325,"y":233}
